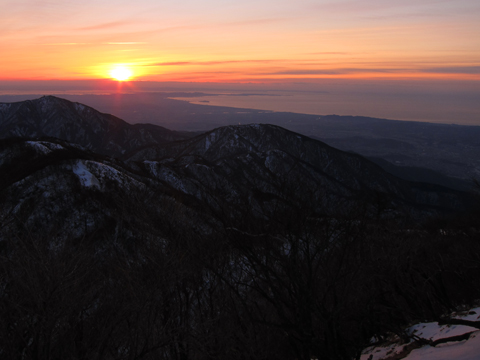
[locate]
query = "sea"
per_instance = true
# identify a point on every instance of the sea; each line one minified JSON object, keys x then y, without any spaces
{"x":442,"y":108}
{"x":447,"y":107}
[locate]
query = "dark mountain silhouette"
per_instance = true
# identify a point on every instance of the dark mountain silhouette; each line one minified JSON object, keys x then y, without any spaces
{"x":80,"y":124}
{"x":233,"y":172}
{"x":269,"y":160}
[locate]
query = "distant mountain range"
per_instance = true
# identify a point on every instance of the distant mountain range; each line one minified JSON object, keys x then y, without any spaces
{"x":229,"y":173}
{"x":450,"y":152}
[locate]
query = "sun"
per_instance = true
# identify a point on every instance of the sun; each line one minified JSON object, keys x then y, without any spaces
{"x":121,"y":73}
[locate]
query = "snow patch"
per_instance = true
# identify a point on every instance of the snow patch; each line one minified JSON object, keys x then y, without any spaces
{"x":79,"y":107}
{"x":44,"y":147}
{"x":461,"y":350}
{"x":458,"y":350}
{"x":209,"y":140}
{"x":44,"y":102}
{"x":433,"y":331}
{"x":152,"y":165}
{"x":86,"y":177}
{"x":104,"y":171}
{"x":52,"y":146}
{"x":4,"y":106}
{"x":173,"y":179}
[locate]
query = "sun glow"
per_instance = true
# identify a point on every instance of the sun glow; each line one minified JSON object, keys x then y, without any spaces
{"x":121,"y":73}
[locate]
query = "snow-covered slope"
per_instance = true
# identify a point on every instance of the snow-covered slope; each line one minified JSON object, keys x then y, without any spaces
{"x":52,"y":187}
{"x":431,"y":341}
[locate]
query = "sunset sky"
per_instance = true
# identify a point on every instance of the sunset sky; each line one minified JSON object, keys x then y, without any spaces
{"x":240,"y":41}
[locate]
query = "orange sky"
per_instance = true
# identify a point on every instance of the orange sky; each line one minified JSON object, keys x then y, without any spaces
{"x":240,"y":41}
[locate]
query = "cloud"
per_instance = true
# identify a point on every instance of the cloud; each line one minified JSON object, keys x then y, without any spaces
{"x":369,"y":6}
{"x":465,"y":70}
{"x":341,"y":71}
{"x":453,"y":70}
{"x":66,"y":44}
{"x":330,"y":53}
{"x":307,"y":72}
{"x":257,"y":22}
{"x":126,"y":43}
{"x":207,"y":63}
{"x":105,"y":43}
{"x":108,"y":25}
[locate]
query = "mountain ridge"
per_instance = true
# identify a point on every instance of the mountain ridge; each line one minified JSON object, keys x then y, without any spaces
{"x":258,"y":165}
{"x":78,"y":123}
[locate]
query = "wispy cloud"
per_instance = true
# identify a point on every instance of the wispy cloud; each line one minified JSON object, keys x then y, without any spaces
{"x":323,"y":69}
{"x":330,"y":53}
{"x":305,"y":72}
{"x":109,"y":25}
{"x":256,"y":22}
{"x":214,"y":26}
{"x":174,"y":63}
{"x":89,"y":43}
{"x":370,"y":6}
{"x":126,"y":43}
{"x":473,"y":70}
{"x":67,"y":44}
{"x":342,"y":71}
{"x":460,"y":70}
{"x":207,"y":63}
